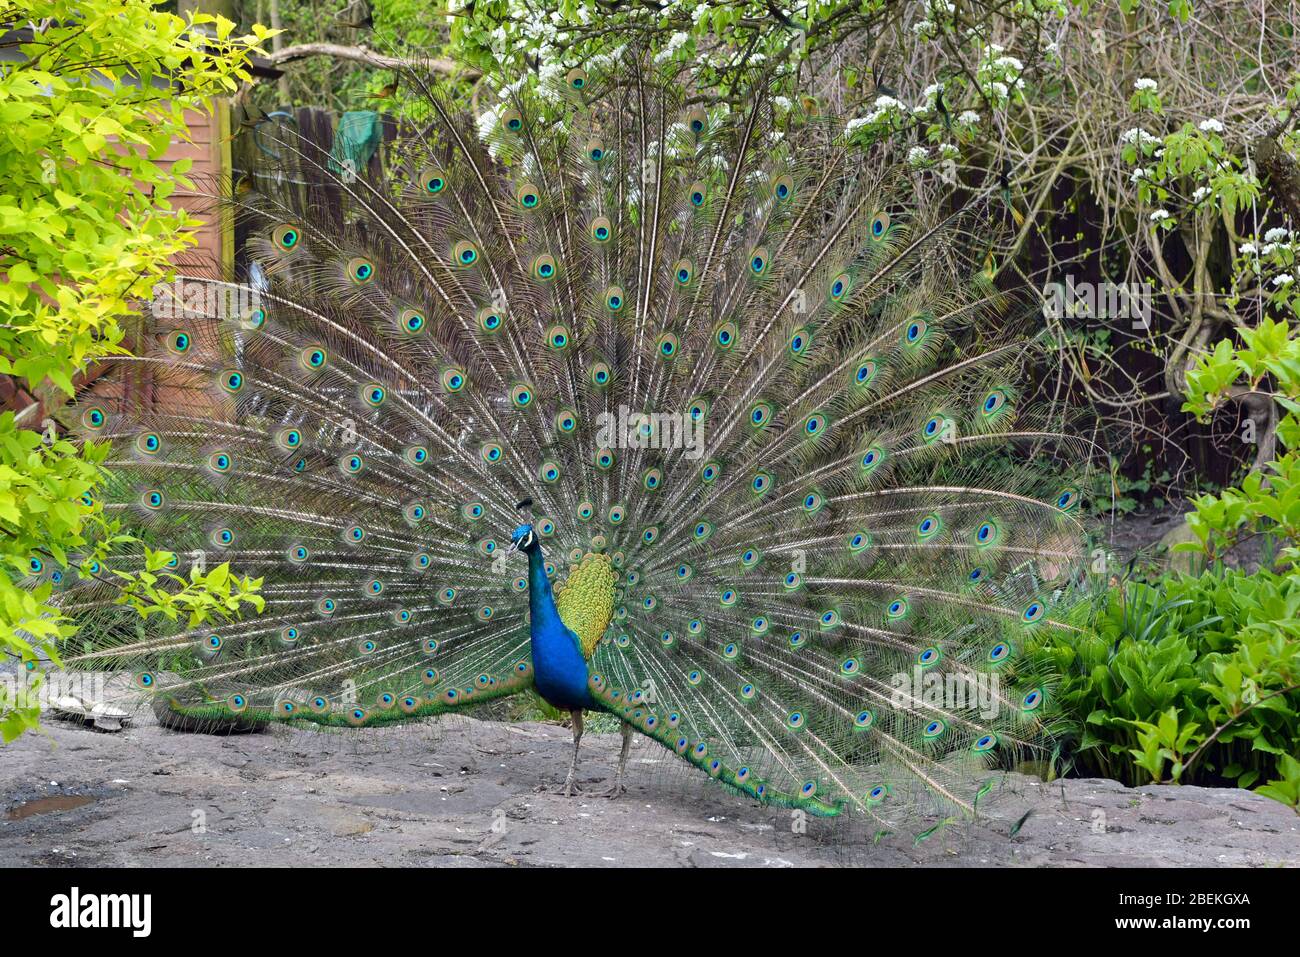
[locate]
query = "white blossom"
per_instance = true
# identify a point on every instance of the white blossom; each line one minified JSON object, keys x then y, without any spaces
{"x":1283,"y":279}
{"x":674,"y":44}
{"x":1200,"y":193}
{"x":968,"y":118}
{"x":1137,"y":135}
{"x":1211,"y":126}
{"x":1160,"y":215}
{"x":1145,"y":83}
{"x":1276,"y":235}
{"x":1247,"y":249}
{"x":917,"y":154}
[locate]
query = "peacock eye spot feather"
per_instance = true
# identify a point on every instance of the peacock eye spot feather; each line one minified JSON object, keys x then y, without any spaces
{"x":410,"y":321}
{"x":361,"y":271}
{"x":993,"y":402}
{"x":544,"y":267}
{"x":286,"y":237}
{"x":432,"y":181}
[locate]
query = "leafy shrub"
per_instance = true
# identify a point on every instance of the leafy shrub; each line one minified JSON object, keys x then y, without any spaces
{"x":1194,"y":680}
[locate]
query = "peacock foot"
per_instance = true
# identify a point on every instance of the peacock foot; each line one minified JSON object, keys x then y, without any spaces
{"x":612,"y":792}
{"x":569,"y":788}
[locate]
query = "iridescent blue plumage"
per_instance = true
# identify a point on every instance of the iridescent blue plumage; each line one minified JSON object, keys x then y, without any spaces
{"x":559,"y":668}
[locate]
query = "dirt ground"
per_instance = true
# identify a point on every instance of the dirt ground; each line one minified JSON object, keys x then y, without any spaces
{"x":453,"y":791}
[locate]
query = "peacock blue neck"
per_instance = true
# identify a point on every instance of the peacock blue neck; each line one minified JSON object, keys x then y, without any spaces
{"x":559,"y":669}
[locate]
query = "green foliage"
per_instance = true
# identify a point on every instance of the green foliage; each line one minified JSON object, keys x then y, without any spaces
{"x":1287,"y":788}
{"x":1267,"y":365}
{"x":86,"y":219}
{"x":201,"y":597}
{"x":85,"y":118}
{"x":1195,"y":680}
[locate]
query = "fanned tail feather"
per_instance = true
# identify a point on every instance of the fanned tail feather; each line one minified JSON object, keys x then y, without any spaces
{"x":836,"y":493}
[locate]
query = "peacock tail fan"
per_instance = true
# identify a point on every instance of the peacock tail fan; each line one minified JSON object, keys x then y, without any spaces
{"x":782,"y":433}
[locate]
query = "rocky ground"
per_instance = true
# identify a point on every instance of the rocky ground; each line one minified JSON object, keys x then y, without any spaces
{"x":454,"y":791}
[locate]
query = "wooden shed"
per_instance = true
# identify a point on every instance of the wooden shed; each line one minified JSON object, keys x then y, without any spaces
{"x":209,"y":150}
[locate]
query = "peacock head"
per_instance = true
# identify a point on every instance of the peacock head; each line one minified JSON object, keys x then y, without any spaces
{"x":523,"y":539}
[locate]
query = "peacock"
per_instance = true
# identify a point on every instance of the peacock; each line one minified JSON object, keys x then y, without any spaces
{"x":670,"y":409}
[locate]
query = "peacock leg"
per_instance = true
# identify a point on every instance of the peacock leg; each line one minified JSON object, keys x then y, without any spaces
{"x":617,"y":788}
{"x":570,"y":786}
{"x":570,"y":782}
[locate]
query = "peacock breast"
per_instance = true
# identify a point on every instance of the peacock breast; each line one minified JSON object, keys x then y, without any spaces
{"x":585,"y":601}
